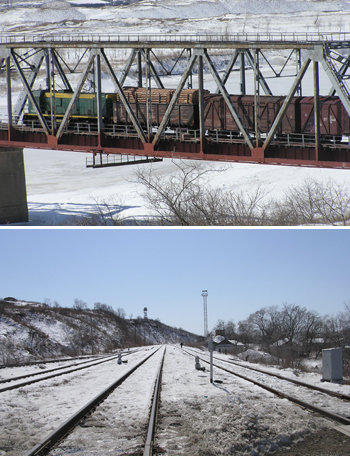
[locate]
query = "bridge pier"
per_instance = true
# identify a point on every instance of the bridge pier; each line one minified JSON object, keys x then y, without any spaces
{"x":13,"y":193}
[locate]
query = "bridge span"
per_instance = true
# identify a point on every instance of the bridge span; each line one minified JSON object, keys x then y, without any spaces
{"x":56,"y":96}
{"x":256,"y":132}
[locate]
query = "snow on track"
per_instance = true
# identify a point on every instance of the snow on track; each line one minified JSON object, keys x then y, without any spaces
{"x":34,"y":411}
{"x":194,"y":414}
{"x":232,"y":417}
{"x":119,"y":424}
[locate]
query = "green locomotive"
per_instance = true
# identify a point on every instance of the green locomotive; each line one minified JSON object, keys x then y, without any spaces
{"x":84,"y":109}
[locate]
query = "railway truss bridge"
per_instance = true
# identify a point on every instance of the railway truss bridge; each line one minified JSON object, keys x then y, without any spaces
{"x":50,"y":80}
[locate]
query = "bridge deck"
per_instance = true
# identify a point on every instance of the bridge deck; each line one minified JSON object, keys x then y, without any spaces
{"x":227,"y":41}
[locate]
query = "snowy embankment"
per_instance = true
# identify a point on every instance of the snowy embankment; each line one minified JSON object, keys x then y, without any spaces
{"x":194,"y":415}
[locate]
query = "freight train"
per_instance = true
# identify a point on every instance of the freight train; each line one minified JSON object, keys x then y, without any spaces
{"x":298,"y":119}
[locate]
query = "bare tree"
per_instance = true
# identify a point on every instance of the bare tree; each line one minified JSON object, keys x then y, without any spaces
{"x":247,"y":332}
{"x":315,"y":203}
{"x":175,"y":198}
{"x":292,"y":322}
{"x":186,"y":198}
{"x":120,"y":312}
{"x":220,"y":325}
{"x":267,"y":322}
{"x":79,"y":304}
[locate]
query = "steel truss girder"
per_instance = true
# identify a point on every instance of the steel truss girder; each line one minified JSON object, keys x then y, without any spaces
{"x":75,"y":95}
{"x":230,"y":65}
{"x":221,"y":87}
{"x":60,"y":71}
{"x":318,"y":54}
{"x":245,"y":53}
{"x":342,"y":73}
{"x":227,"y":98}
{"x":125,"y":102}
{"x":23,"y":97}
{"x":259,"y":75}
{"x":335,"y":77}
{"x":167,"y":71}
{"x":29,"y":93}
{"x":123,"y":75}
{"x":96,"y":55}
{"x":72,"y":70}
{"x":146,"y":56}
{"x":174,"y":99}
{"x":286,"y":103}
{"x":277,"y":73}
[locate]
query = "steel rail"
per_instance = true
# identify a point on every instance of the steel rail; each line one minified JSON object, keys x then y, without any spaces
{"x":43,"y":361}
{"x":29,"y":382}
{"x":342,"y":396}
{"x":33,"y":374}
{"x":50,"y":441}
{"x":314,"y":408}
{"x":154,"y":410}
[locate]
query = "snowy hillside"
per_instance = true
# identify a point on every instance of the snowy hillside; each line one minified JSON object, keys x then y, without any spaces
{"x":31,"y":331}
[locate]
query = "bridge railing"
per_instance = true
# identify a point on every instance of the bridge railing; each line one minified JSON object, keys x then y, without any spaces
{"x":293,"y":37}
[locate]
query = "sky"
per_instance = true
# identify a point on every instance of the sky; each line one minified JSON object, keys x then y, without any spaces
{"x":166,"y":270}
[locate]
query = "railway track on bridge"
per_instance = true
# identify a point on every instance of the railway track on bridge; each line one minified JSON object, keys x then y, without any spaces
{"x":337,"y":410}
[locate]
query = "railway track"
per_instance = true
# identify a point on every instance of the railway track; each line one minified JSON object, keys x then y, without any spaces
{"x":33,"y":374}
{"x":317,"y":398}
{"x":88,"y":416}
{"x":43,"y":361}
{"x":58,"y":372}
{"x":194,"y":416}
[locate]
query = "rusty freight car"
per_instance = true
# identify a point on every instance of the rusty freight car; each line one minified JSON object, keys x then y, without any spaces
{"x":184,"y":114}
{"x":219,"y":117}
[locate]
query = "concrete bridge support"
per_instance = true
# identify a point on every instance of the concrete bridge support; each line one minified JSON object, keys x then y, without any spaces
{"x":13,"y":193}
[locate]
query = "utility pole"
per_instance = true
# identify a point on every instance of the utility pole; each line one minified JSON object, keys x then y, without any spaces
{"x":205,"y":295}
{"x":211,"y":348}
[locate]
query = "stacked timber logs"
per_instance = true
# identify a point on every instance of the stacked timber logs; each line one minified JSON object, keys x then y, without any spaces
{"x":160,"y":96}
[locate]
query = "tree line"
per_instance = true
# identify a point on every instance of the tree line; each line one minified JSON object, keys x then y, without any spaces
{"x":290,"y":331}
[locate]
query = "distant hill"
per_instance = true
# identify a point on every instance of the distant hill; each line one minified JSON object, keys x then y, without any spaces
{"x":31,"y":330}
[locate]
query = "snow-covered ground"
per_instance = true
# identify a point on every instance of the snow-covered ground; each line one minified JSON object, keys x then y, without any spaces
{"x":31,"y":412}
{"x":194,"y":416}
{"x":59,"y":186}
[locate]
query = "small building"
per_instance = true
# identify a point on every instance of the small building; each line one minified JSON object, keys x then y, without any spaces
{"x":222,"y":345}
